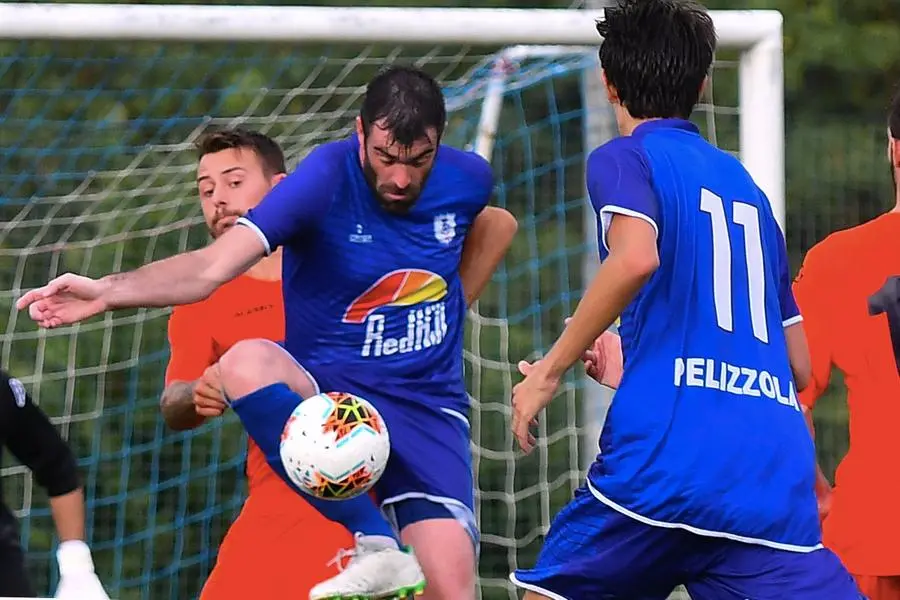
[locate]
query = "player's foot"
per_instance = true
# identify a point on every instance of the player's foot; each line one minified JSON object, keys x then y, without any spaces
{"x":376,"y":571}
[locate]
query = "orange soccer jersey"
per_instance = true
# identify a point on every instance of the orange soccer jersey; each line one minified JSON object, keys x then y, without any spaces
{"x":278,"y":543}
{"x":846,"y":289}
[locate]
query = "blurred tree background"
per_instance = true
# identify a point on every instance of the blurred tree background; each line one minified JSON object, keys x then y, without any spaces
{"x":96,"y":176}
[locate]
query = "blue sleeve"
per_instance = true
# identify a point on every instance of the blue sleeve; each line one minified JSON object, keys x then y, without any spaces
{"x":483,"y":182}
{"x":618,"y":182}
{"x":300,"y":200}
{"x":790,"y":312}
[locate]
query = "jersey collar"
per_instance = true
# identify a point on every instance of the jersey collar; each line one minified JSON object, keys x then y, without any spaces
{"x":657,"y":124}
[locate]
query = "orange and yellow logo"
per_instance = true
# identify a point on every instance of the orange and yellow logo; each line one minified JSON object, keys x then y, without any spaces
{"x":403,"y":287}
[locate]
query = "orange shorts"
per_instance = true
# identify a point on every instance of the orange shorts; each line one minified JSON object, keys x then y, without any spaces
{"x":272,"y":547}
{"x":876,"y":587}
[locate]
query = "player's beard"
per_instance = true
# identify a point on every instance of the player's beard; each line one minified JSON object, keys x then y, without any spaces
{"x":399,"y":207}
{"x":222,"y":221}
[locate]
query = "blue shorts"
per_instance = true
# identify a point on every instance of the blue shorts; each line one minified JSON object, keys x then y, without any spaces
{"x":594,"y":552}
{"x":429,"y":472}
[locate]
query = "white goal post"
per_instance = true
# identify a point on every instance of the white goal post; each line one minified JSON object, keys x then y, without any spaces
{"x":114,"y":194}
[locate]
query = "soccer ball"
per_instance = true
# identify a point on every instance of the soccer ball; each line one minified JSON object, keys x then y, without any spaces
{"x":335,"y":446}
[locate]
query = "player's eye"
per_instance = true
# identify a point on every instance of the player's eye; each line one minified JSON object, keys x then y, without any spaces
{"x":235,"y":183}
{"x":206,"y":193}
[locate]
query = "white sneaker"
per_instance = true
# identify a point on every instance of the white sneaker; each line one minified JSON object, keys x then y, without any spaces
{"x":376,"y":571}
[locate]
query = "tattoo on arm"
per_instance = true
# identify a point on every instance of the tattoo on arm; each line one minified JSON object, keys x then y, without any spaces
{"x":177,"y":406}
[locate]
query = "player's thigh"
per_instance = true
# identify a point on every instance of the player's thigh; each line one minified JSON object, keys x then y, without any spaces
{"x":444,"y":548}
{"x":429,"y":472}
{"x":879,"y":587}
{"x":427,"y":492}
{"x":264,"y":385}
{"x":738,"y":571}
{"x":251,"y":365}
{"x":275,"y":553}
{"x":592,"y":551}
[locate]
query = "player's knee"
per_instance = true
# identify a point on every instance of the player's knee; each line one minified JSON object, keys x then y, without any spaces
{"x":447,"y":556}
{"x":250,"y":365}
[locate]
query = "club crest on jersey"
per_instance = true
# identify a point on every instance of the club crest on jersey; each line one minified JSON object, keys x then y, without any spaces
{"x":445,"y":227}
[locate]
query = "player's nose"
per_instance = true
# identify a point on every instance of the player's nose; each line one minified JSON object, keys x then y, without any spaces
{"x":401,"y":178}
{"x":220,"y":198}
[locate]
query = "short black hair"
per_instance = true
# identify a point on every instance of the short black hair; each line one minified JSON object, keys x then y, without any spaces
{"x":656,"y":54}
{"x":894,"y":115}
{"x":408,"y":100}
{"x":267,"y":149}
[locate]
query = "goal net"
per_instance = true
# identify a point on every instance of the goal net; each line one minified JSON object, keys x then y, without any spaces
{"x":99,"y":108}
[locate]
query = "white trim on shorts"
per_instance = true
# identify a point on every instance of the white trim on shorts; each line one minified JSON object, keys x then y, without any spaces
{"x":535,"y":588}
{"x":458,"y":510}
{"x":457,"y":415}
{"x":697,"y":531}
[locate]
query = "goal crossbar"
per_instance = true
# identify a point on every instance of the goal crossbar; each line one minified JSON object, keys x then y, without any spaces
{"x":757,"y":33}
{"x":308,"y":24}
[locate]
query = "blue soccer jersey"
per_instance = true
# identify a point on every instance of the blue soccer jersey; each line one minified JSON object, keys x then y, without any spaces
{"x":705,"y":431}
{"x":375,"y":294}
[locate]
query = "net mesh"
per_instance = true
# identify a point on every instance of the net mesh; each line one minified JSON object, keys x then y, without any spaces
{"x":97,"y":175}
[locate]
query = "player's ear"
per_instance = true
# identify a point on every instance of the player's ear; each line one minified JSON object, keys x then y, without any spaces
{"x":277,"y":178}
{"x":612,"y":95}
{"x":360,"y":131}
{"x":703,"y":85}
{"x":893,"y":151}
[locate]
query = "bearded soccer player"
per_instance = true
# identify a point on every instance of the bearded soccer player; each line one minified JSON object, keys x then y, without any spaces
{"x":848,"y":290}
{"x":705,"y":474}
{"x":386,"y":237}
{"x":236,"y":169}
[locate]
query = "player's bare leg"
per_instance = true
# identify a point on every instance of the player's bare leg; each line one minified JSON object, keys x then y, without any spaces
{"x":253,"y":364}
{"x":447,"y":556}
{"x":378,"y":567}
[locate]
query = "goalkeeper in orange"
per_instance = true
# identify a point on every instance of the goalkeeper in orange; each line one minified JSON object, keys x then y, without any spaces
{"x":278,"y":541}
{"x":848,"y":291}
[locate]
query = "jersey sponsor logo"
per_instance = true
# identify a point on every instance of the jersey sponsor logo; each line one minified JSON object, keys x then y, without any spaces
{"x":426,"y":319}
{"x":445,"y":227}
{"x":18,"y":391}
{"x":732,"y":379}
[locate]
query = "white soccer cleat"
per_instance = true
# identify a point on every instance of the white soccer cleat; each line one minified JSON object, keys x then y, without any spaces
{"x":376,"y":571}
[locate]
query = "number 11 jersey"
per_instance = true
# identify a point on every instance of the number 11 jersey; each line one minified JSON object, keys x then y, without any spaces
{"x":705,"y":431}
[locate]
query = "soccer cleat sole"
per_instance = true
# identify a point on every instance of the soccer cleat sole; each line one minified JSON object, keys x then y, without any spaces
{"x":405,"y":593}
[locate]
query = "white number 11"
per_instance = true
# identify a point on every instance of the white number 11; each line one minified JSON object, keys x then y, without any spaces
{"x":747,"y":216}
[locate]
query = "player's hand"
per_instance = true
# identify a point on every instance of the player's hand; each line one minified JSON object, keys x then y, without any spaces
{"x":77,"y":580}
{"x":67,"y":299}
{"x":84,"y":586}
{"x":823,"y":497}
{"x":209,"y":400}
{"x":529,"y":398}
{"x":603,"y":360}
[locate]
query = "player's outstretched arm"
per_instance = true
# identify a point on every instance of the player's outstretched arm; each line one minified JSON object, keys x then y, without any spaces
{"x":633,"y":258}
{"x":488,"y":239}
{"x":181,"y":279}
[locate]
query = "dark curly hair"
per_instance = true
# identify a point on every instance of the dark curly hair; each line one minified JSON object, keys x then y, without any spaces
{"x":656,"y":54}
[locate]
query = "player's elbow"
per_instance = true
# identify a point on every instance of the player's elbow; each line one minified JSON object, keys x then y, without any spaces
{"x":503,"y":225}
{"x":177,"y":408}
{"x":641,"y":262}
